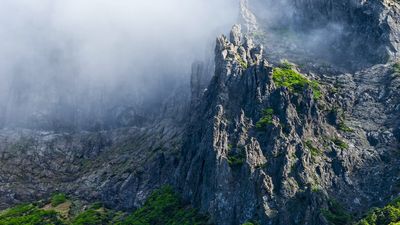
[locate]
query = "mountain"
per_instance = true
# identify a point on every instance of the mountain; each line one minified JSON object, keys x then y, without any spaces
{"x":295,"y":121}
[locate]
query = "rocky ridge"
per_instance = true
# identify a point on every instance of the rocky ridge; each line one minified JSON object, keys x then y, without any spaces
{"x":245,"y":148}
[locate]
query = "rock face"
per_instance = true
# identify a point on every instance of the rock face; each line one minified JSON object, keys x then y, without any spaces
{"x":119,"y":167}
{"x":286,"y":172}
{"x":244,"y":147}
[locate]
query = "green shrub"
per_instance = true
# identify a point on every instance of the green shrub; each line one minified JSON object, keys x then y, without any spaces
{"x":164,"y":207}
{"x":316,"y":188}
{"x":389,"y":214}
{"x":267,"y":118}
{"x":340,"y":143}
{"x":343,"y":127}
{"x":237,"y":159}
{"x":91,"y":217}
{"x":96,"y":205}
{"x":314,"y":151}
{"x":396,"y":68}
{"x":285,"y":76}
{"x":242,"y":63}
{"x":58,"y":199}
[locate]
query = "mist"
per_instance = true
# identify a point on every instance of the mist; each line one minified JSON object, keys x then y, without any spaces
{"x":82,"y":63}
{"x":306,"y":31}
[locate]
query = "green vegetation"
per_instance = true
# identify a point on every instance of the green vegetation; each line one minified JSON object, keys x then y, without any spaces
{"x":340,"y":143}
{"x":242,"y":63}
{"x":58,"y":199}
{"x":97,"y":205}
{"x":268,"y":115}
{"x":396,"y":68}
{"x":163,"y":207}
{"x":285,"y":76}
{"x":315,"y":188}
{"x":28,"y":214}
{"x":248,"y":223}
{"x":388,"y":215}
{"x":343,"y":127}
{"x":314,"y":151}
{"x":336,"y":214}
{"x":236,"y":159}
{"x":92,"y":217}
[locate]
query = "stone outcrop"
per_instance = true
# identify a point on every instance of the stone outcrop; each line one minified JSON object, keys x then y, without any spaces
{"x":287,"y":172}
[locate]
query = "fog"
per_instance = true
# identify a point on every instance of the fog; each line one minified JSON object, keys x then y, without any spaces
{"x":81,"y":63}
{"x":304,"y":30}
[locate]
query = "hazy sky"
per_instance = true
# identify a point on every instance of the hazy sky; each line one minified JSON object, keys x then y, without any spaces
{"x":63,"y":51}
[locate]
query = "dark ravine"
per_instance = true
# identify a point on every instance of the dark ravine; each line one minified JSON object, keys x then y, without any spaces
{"x":337,"y":141}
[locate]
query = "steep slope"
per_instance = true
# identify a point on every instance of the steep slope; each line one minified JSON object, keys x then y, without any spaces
{"x":260,"y":149}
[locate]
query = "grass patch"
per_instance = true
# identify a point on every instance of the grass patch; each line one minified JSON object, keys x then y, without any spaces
{"x":314,"y":151}
{"x":266,"y":119}
{"x":58,"y":199}
{"x":236,"y":159}
{"x":340,"y":143}
{"x":285,"y":76}
{"x":343,"y":127}
{"x":396,"y":68}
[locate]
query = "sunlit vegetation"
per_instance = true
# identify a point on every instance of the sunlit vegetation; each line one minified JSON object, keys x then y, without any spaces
{"x":343,"y":127}
{"x":314,"y":151}
{"x":266,"y":119}
{"x":340,"y":143}
{"x":286,"y":76}
{"x":58,"y":199}
{"x":388,"y":215}
{"x":242,"y":63}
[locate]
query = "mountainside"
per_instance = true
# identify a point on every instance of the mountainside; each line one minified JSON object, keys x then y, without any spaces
{"x":282,"y":127}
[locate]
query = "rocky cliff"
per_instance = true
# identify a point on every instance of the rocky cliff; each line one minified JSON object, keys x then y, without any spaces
{"x":261,"y":139}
